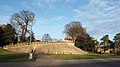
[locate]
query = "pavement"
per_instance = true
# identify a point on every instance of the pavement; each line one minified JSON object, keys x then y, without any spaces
{"x":108,"y":62}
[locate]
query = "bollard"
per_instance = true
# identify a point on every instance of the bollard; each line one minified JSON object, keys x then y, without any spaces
{"x":30,"y":56}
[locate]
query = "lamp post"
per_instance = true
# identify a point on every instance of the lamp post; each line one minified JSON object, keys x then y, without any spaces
{"x":17,"y":35}
{"x":17,"y":42}
{"x":30,"y":38}
{"x":18,"y":39}
{"x":30,"y":54}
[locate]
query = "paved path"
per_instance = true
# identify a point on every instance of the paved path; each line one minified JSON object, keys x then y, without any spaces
{"x":110,"y":62}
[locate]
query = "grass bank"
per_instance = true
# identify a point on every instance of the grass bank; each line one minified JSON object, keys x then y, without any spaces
{"x":7,"y":56}
{"x":77,"y":56}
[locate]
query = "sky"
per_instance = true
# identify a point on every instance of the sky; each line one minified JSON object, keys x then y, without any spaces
{"x":99,"y":17}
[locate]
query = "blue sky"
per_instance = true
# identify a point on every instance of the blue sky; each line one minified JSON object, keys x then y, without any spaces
{"x":99,"y":17}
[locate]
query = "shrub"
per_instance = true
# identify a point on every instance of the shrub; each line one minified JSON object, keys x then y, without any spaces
{"x":118,"y":53}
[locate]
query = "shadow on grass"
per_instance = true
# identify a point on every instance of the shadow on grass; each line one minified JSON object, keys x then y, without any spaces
{"x":8,"y":56}
{"x":15,"y":57}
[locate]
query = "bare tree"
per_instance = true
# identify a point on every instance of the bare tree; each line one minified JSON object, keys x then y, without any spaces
{"x":46,"y":38}
{"x":74,"y":29}
{"x":22,"y":21}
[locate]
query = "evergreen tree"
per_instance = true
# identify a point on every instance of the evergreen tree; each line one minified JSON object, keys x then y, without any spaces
{"x":105,"y":42}
{"x":117,"y":42}
{"x":1,"y":37}
{"x":86,"y":43}
{"x":9,"y":34}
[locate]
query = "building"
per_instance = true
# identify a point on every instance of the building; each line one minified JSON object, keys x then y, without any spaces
{"x":68,"y":38}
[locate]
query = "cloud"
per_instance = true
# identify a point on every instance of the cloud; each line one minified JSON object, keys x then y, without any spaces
{"x":44,"y":3}
{"x":72,"y":1}
{"x":7,"y":7}
{"x":109,"y":27}
{"x":53,"y":4}
{"x":58,"y":18}
{"x":25,"y":4}
{"x":101,"y":17}
{"x":4,"y":19}
{"x":49,"y":1}
{"x":37,"y":3}
{"x":98,"y":3}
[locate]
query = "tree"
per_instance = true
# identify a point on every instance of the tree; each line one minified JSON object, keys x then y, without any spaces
{"x":32,"y":38}
{"x":106,"y":42}
{"x":1,"y":37}
{"x":9,"y":34}
{"x":86,"y":43}
{"x":74,"y":29}
{"x":24,"y":21}
{"x":117,"y":41}
{"x":46,"y":38}
{"x":105,"y":39}
{"x":96,"y":45}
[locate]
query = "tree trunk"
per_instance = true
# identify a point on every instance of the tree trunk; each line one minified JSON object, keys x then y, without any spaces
{"x":74,"y":38}
{"x":23,"y":35}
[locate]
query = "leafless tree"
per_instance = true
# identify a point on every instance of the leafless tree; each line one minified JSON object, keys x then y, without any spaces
{"x":46,"y":38}
{"x":74,"y":29}
{"x":22,"y":21}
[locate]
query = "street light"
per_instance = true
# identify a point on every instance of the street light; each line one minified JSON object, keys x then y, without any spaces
{"x":30,"y":54}
{"x":18,"y":39}
{"x":30,"y":38}
{"x":30,"y":27}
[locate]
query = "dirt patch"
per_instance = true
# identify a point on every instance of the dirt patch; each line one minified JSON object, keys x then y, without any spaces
{"x":43,"y":56}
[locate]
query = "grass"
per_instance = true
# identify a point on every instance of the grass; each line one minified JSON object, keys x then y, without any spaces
{"x":7,"y":56}
{"x":3,"y":51}
{"x":77,"y":56}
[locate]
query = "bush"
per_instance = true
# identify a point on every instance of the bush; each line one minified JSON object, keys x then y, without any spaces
{"x":118,"y":53}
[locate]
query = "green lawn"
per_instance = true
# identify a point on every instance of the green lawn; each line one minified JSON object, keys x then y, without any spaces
{"x":77,"y":56}
{"x":7,"y":56}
